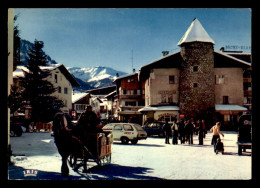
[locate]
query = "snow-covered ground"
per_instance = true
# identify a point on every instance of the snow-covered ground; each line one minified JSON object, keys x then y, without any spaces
{"x":150,"y":159}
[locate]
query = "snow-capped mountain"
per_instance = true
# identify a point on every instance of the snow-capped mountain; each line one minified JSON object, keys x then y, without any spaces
{"x":88,"y":78}
{"x":97,"y":76}
{"x":24,"y":49}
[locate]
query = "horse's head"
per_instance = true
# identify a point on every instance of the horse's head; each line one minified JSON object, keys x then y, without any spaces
{"x":58,"y":124}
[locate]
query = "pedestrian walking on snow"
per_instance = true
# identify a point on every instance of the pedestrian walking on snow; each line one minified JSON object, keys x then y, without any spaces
{"x":216,"y":134}
{"x":201,"y":132}
{"x":181,"y":132}
{"x":175,"y":132}
{"x":189,"y":132}
{"x":167,"y":131}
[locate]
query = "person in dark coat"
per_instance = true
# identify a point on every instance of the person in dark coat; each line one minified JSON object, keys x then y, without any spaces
{"x":167,"y":131}
{"x":181,"y":132}
{"x":219,"y":146}
{"x":88,"y":123}
{"x":201,"y":132}
{"x":189,"y":131}
{"x":175,"y":132}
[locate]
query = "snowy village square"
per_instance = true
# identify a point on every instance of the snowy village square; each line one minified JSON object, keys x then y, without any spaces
{"x":129,"y":94}
{"x":150,"y":159}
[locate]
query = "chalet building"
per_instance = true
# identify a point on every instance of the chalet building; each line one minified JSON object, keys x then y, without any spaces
{"x":98,"y":100}
{"x":196,"y":82}
{"x":111,"y":105}
{"x":60,"y":78}
{"x":129,"y":98}
{"x":79,"y":104}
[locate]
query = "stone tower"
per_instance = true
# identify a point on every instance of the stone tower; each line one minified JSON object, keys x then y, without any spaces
{"x":197,"y":81}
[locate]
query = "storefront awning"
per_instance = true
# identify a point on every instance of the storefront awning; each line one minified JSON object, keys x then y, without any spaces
{"x":229,"y":107}
{"x":128,"y":112}
{"x":159,"y":108}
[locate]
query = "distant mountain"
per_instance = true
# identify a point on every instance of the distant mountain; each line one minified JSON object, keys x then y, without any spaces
{"x":24,"y":49}
{"x":88,"y":78}
{"x":97,"y":77}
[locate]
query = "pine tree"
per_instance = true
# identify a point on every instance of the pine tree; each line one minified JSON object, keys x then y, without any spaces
{"x":37,"y":90}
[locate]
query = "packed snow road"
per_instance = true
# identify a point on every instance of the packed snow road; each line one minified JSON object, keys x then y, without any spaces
{"x":150,"y":159}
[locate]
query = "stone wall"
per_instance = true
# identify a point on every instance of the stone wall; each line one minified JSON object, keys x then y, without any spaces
{"x":197,"y":81}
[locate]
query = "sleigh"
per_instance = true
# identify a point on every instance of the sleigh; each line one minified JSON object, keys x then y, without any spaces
{"x":97,"y":149}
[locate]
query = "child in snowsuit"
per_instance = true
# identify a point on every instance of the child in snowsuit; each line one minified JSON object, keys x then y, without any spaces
{"x":219,"y":146}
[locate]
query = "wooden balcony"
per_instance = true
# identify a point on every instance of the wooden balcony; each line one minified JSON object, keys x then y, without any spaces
{"x":130,"y":96}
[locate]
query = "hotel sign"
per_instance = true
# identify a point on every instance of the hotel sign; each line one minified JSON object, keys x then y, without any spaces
{"x":167,"y":92}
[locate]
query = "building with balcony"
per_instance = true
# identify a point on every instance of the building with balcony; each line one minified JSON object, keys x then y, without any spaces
{"x":129,"y":98}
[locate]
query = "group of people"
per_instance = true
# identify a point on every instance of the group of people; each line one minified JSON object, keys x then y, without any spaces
{"x":185,"y":129}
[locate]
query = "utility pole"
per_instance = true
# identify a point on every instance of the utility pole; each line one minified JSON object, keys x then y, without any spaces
{"x":132,"y":60}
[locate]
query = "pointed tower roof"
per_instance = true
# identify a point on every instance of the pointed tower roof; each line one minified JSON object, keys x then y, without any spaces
{"x":196,"y":32}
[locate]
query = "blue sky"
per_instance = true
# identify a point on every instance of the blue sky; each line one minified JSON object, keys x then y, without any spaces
{"x":85,"y":37}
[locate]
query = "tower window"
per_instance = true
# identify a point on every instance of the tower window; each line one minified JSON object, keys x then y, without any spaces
{"x":195,"y":68}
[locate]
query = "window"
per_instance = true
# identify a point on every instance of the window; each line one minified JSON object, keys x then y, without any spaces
{"x":124,"y":92}
{"x":128,"y":127}
{"x":56,"y":78}
{"x":163,"y":99}
{"x":221,"y":79}
{"x":130,"y":103}
{"x":59,"y":89}
{"x":171,"y":79}
{"x":170,"y":98}
{"x":65,"y":90}
{"x":135,"y":92}
{"x":195,"y":85}
{"x":195,"y":68}
{"x":118,"y":127}
{"x":225,"y":99}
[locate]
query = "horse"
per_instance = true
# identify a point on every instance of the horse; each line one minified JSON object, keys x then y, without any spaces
{"x":66,"y":143}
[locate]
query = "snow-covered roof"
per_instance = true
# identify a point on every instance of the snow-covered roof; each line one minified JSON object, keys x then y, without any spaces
{"x":19,"y":72}
{"x":234,"y":58}
{"x":125,"y":76}
{"x":159,"y":108}
{"x":229,"y":107}
{"x":196,"y":32}
{"x":78,"y":96}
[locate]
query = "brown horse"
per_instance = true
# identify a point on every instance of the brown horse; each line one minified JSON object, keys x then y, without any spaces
{"x":65,"y":142}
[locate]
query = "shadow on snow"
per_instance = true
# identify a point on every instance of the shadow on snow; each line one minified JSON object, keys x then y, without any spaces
{"x":111,"y":172}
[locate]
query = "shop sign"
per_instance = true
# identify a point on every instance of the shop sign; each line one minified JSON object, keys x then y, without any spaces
{"x":166,"y":114}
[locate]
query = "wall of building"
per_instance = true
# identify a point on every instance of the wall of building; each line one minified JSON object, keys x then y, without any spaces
{"x":231,"y":85}
{"x":159,"y":90}
{"x":62,"y":82}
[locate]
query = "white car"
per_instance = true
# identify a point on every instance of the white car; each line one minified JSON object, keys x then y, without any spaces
{"x":126,"y":132}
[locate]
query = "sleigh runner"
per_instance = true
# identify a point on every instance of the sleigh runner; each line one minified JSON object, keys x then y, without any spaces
{"x":97,"y":149}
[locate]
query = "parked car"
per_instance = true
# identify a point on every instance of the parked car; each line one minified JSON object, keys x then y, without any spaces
{"x":154,"y":128}
{"x":244,"y":139}
{"x":126,"y":132}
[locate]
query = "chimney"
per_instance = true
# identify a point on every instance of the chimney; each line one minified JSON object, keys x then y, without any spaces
{"x":133,"y":70}
{"x":222,"y":49}
{"x":165,"y":53}
{"x":117,"y":74}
